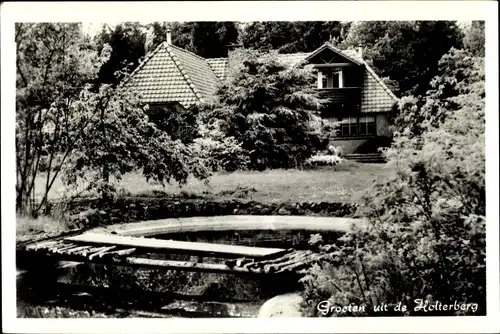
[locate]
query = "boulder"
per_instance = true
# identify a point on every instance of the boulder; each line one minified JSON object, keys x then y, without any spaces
{"x":286,"y":305}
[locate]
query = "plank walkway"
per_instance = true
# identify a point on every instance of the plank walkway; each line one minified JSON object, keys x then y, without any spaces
{"x":63,"y":250}
{"x":124,"y":244}
{"x":199,"y":248}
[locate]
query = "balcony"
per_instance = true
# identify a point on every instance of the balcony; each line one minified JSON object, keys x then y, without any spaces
{"x":349,"y":95}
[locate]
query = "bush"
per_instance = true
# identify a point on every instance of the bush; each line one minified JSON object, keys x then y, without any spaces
{"x":323,"y":160}
{"x":219,"y":153}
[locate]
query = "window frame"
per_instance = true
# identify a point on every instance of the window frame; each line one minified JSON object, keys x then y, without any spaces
{"x":355,"y":122}
{"x":329,"y":78}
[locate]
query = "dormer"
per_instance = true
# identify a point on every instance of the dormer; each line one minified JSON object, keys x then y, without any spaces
{"x":336,"y":69}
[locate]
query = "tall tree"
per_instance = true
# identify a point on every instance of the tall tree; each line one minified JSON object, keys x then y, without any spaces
{"x":405,"y":51}
{"x":289,"y":37}
{"x":206,"y":39}
{"x":128,"y":44}
{"x":474,"y":38}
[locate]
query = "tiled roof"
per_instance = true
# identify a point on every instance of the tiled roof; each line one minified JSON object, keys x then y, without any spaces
{"x":171,"y":74}
{"x":376,"y":96}
{"x":197,"y":69}
{"x":292,"y":58}
{"x":219,"y":66}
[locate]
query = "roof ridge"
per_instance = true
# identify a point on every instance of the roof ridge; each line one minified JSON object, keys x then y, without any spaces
{"x":215,"y":58}
{"x":377,"y":78}
{"x":183,"y":72}
{"x":189,"y":52}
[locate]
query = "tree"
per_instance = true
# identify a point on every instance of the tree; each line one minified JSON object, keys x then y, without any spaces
{"x":425,"y":237}
{"x":291,"y":37}
{"x":474,"y":38}
{"x":459,"y":82}
{"x":269,"y":108}
{"x":405,"y":51}
{"x":79,"y":132}
{"x":206,"y":39}
{"x":128,"y":44}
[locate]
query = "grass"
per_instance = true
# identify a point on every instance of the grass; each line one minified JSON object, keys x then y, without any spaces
{"x":341,"y":183}
{"x":44,"y":224}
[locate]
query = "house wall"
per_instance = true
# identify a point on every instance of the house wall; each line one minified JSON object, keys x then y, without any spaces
{"x":366,"y":144}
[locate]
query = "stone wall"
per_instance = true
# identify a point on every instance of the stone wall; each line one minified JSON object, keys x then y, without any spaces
{"x":90,"y":212}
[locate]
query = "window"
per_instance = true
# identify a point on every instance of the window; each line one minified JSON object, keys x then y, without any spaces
{"x":337,"y":80}
{"x":357,"y":126}
{"x":330,"y":79}
{"x":324,"y":80}
{"x":367,"y":125}
{"x":348,"y":126}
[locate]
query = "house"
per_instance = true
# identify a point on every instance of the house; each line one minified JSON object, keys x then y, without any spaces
{"x":172,"y":78}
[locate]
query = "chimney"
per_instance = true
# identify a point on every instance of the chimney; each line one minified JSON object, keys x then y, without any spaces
{"x":233,"y":58}
{"x":169,"y":36}
{"x":360,"y":51}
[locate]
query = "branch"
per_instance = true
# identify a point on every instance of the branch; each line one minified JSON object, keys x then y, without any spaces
{"x":69,"y":150}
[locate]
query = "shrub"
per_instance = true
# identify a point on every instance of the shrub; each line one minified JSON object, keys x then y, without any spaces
{"x":323,"y":160}
{"x":219,"y":152}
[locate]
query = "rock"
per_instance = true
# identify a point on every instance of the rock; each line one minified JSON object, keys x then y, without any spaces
{"x":283,"y":211}
{"x":287,"y":305}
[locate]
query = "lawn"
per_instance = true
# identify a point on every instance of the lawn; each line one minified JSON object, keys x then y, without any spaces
{"x":333,"y":184}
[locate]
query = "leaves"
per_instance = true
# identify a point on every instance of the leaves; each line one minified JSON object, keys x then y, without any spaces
{"x":407,"y":52}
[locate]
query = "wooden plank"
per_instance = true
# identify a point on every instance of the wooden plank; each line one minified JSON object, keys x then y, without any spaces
{"x":187,"y":266}
{"x":178,"y":246}
{"x":122,"y":252}
{"x":101,"y":251}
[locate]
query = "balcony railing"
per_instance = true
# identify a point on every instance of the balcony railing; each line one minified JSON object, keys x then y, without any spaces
{"x":342,"y":95}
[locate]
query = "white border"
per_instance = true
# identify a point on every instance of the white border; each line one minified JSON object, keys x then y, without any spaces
{"x":246,"y":11}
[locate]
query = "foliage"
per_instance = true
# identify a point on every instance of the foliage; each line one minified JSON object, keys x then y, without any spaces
{"x":323,"y":160}
{"x":93,"y":133}
{"x":218,"y":151}
{"x":127,"y":41}
{"x":405,"y":51}
{"x":206,"y":39}
{"x":458,"y":83}
{"x":180,"y":124}
{"x":290,"y":37}
{"x":425,"y":237}
{"x":269,"y":108}
{"x":474,"y":38}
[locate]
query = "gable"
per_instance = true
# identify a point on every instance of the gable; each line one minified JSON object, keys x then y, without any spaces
{"x":329,"y":54}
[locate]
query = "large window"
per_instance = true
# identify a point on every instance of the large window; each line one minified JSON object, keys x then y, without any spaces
{"x":357,"y":126}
